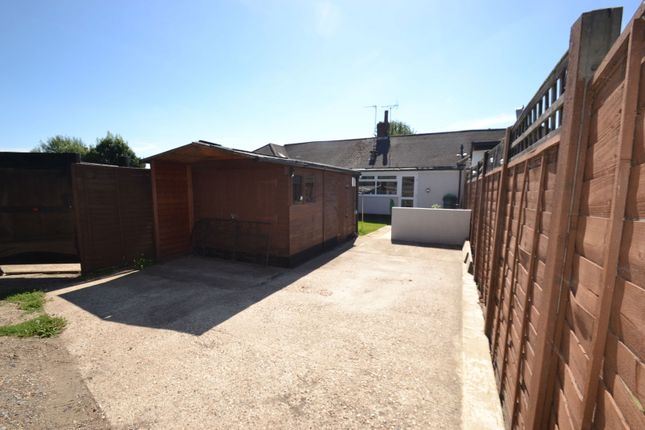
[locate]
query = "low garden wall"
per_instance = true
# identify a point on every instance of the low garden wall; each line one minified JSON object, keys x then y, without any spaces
{"x":430,"y":226}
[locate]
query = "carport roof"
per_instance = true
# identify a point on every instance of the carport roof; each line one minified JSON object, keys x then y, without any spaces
{"x":204,"y":151}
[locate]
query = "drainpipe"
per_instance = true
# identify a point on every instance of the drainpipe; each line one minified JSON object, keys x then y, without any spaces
{"x":460,"y":168}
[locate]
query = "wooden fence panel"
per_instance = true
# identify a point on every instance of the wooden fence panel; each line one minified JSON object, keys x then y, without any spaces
{"x":36,"y":208}
{"x":566,"y":298}
{"x":622,"y":381}
{"x":113,"y":215}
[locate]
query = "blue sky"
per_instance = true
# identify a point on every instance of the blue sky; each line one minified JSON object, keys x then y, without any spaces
{"x":248,"y":72}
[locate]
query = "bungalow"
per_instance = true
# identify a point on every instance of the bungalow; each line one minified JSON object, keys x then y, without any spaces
{"x":416,"y":170}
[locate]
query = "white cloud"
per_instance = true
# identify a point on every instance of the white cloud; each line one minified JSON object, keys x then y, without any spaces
{"x":496,"y":121}
{"x":328,"y":17}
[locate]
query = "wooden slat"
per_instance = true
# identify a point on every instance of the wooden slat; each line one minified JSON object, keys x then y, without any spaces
{"x":628,"y":318}
{"x":636,"y":195}
{"x":610,"y":260}
{"x":528,"y":284}
{"x":511,"y":293}
{"x":591,"y":37}
{"x":505,"y":281}
{"x":500,"y":297}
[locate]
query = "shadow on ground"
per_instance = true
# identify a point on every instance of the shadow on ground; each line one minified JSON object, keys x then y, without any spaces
{"x":21,"y":283}
{"x":190,"y":294}
{"x":425,"y":245}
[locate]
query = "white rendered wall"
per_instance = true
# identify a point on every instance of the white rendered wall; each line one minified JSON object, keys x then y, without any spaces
{"x":431,"y":226}
{"x":429,"y":188}
{"x":440,"y":183}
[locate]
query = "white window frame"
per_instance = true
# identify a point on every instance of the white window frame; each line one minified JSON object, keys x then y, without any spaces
{"x":414,"y":189}
{"x":375,"y":181}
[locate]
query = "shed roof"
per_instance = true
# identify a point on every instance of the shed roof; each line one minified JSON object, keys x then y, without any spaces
{"x":417,"y":151}
{"x":207,"y":151}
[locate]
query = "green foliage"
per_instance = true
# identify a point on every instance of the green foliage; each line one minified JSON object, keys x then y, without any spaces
{"x":399,"y":128}
{"x":42,"y":326}
{"x":112,"y":149}
{"x":142,"y":262}
{"x":436,"y":206}
{"x":365,"y":227}
{"x":29,"y":302}
{"x":61,"y":144}
{"x":450,"y":201}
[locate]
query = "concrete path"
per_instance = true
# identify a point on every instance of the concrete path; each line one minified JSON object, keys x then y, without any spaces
{"x":369,"y":339}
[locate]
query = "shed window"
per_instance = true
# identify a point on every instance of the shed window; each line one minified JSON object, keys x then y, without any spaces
{"x":309,"y":189}
{"x":297,"y":189}
{"x":303,"y":189}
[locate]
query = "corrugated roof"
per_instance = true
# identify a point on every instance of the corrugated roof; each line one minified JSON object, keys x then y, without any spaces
{"x":417,"y":151}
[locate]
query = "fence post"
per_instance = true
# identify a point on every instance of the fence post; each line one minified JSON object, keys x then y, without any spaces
{"x":480,"y":221}
{"x":591,"y":37}
{"x":616,"y":218}
{"x":497,"y":235}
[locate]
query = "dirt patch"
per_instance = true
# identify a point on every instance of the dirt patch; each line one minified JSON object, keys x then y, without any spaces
{"x":40,"y":387}
{"x":10,"y":314}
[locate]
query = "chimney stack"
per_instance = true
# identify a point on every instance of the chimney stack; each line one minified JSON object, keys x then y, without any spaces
{"x":382,"y":144}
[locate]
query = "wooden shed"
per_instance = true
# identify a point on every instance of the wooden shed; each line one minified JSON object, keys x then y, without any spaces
{"x":237,"y":204}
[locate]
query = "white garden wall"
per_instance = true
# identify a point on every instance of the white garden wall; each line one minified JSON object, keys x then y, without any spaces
{"x":430,"y":226}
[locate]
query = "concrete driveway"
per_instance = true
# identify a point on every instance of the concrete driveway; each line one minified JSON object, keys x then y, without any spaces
{"x":370,"y":337}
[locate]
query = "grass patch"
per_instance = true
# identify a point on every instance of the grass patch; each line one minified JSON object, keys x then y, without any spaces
{"x":42,"y":326}
{"x":365,"y":227}
{"x":29,"y":302}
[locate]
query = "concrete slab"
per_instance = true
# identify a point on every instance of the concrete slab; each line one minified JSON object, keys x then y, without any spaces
{"x":479,"y":388}
{"x":370,"y":337}
{"x":22,"y":269}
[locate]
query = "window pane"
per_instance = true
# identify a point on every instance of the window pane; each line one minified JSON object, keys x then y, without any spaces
{"x":407,"y":186}
{"x":386,"y":188}
{"x":387,"y":177}
{"x":366,"y":177}
{"x":406,"y":203}
{"x":297,"y":188}
{"x":367,"y":188}
{"x":309,"y":189}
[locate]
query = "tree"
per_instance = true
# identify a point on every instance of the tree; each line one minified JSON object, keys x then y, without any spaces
{"x":61,"y":144}
{"x":399,"y":128}
{"x":112,"y":149}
